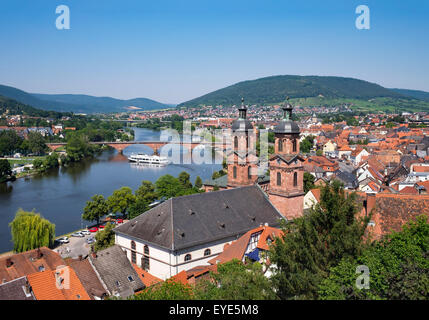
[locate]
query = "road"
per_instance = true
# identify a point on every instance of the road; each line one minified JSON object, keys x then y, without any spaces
{"x":76,"y":247}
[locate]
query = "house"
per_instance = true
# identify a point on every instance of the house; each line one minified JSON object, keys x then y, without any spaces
{"x":358,"y":155}
{"x":30,"y":262}
{"x":329,"y":147}
{"x":18,"y":289}
{"x":59,"y":284}
{"x":116,"y":272}
{"x":88,"y":278}
{"x":311,"y":198}
{"x":188,"y":231}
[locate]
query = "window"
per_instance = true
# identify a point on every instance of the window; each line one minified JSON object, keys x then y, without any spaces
{"x":207,"y":252}
{"x":294,"y":145}
{"x":133,"y":256}
{"x":188,"y":257}
{"x":249,"y":172}
{"x":280,"y":145}
{"x":236,"y":142}
{"x":295,"y":179}
{"x":234,"y":172}
{"x":146,"y":250}
{"x":130,"y":278}
{"x":41,"y":268}
{"x":279,"y":179}
{"x":145,"y":263}
{"x":133,"y":245}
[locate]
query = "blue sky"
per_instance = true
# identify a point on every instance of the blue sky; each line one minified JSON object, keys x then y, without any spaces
{"x":175,"y":50}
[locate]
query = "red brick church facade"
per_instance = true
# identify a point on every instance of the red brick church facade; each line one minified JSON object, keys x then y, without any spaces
{"x":286,"y":189}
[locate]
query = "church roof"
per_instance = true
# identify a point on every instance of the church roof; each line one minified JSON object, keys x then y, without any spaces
{"x":192,"y":220}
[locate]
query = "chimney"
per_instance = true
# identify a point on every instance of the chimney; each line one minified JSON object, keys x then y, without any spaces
{"x":27,"y":289}
{"x":9,"y":263}
{"x":94,"y":255}
{"x":39,"y":253}
{"x":80,"y":257}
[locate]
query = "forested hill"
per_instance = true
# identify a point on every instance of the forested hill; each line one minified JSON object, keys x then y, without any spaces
{"x":79,"y":103}
{"x":14,"y":107}
{"x":275,"y":89}
{"x":421,"y":95}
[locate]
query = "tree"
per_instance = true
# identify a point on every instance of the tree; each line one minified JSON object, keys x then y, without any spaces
{"x":121,"y":200}
{"x":307,"y":144}
{"x":184,"y":179}
{"x":145,"y":195}
{"x":167,"y":290}
{"x":5,"y":170}
{"x":31,"y":231}
{"x":398,"y":267}
{"x":9,"y":142}
{"x":198,"y":183}
{"x":168,"y":186}
{"x":105,"y":238}
{"x":314,"y":243}
{"x":36,"y":143}
{"x":236,"y":281}
{"x":319,"y":152}
{"x":95,"y":209}
{"x":308,"y":181}
{"x":77,"y":147}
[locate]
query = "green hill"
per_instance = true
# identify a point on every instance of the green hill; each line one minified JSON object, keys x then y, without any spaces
{"x":421,"y":95}
{"x":272,"y":90}
{"x":78,"y":103}
{"x":13,"y":107}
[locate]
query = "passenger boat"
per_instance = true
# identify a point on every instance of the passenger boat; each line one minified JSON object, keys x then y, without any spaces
{"x":147,"y":159}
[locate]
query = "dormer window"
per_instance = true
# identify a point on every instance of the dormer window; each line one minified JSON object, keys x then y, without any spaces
{"x":188,"y":257}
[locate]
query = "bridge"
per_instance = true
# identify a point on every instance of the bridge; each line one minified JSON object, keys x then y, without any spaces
{"x":154,"y":145}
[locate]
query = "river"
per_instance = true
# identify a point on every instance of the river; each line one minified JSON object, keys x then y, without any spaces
{"x":61,"y":194}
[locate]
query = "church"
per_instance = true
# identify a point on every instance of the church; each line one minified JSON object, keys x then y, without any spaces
{"x":188,"y":231}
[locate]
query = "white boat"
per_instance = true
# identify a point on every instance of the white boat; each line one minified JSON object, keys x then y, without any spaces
{"x":147,"y":159}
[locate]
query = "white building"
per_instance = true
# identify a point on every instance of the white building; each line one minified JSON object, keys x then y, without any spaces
{"x":188,"y":231}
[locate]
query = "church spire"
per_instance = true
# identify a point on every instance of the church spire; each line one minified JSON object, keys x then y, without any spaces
{"x":242,"y":110}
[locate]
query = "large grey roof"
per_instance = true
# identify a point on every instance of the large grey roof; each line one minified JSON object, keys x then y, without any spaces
{"x":287,"y":126}
{"x":187,"y":221}
{"x":112,"y":265}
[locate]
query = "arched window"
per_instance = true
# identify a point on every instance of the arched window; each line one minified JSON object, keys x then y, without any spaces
{"x":295,"y":179}
{"x":207,"y":252}
{"x":279,"y":179}
{"x":188,"y":257}
{"x":280,"y":145}
{"x":133,"y":245}
{"x":249,"y":172}
{"x":145,"y":263}
{"x":294,"y":145}
{"x":234,"y":172}
{"x":146,"y":250}
{"x":236,"y":142}
{"x":133,"y":257}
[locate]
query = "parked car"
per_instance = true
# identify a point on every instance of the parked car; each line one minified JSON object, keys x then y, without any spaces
{"x":118,"y":221}
{"x":63,"y":240}
{"x":90,"y":240}
{"x":93,"y":229}
{"x":85,"y":232}
{"x":101,"y":226}
{"x":78,"y":235}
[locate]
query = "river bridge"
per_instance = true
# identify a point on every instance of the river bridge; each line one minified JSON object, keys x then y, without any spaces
{"x":120,"y":146}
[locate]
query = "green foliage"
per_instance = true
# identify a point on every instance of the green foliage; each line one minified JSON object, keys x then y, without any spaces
{"x":168,"y":186}
{"x":307,"y":144}
{"x":167,"y":290}
{"x":308,"y":181}
{"x":30,"y":231}
{"x":145,"y":195}
{"x":5,"y":170}
{"x":272,"y":90}
{"x":105,"y":238}
{"x":319,"y":152}
{"x":398,"y":266}
{"x":77,"y":148}
{"x":184,"y":180}
{"x":314,"y":243}
{"x":95,"y":209}
{"x":198,"y":183}
{"x":36,"y":143}
{"x":236,"y":281}
{"x":218,"y":174}
{"x":10,"y":142}
{"x":121,"y":200}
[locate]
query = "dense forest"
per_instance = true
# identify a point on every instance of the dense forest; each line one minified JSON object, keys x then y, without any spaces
{"x":14,"y":107}
{"x":272,"y":90}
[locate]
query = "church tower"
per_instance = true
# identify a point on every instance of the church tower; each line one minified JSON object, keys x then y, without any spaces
{"x":242,"y":161}
{"x":286,"y":168}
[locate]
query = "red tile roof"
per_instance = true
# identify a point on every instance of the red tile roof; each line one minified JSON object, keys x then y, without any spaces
{"x":146,"y":277}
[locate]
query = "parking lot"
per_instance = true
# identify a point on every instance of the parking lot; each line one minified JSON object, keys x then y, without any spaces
{"x":76,"y":247}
